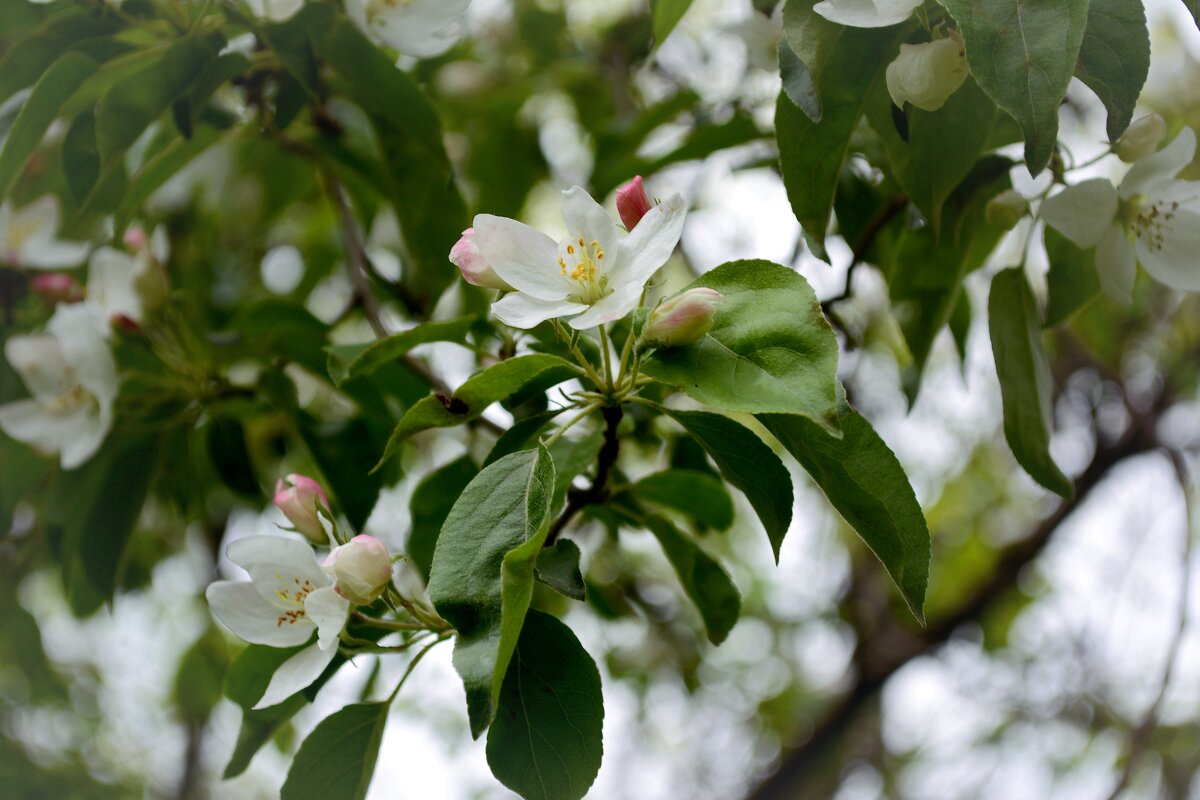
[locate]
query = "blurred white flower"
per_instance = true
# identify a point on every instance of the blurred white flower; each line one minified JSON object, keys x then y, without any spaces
{"x":277,"y":10}
{"x":420,"y":28}
{"x":129,"y":284}
{"x":867,"y":13}
{"x":287,"y":598}
{"x":595,"y":275}
{"x":1152,"y":218}
{"x":27,"y":237}
{"x":71,"y":375}
{"x":927,"y":74}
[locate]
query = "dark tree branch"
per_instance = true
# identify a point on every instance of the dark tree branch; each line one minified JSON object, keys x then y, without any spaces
{"x":882,"y":654}
{"x":578,"y":499}
{"x":875,"y":225}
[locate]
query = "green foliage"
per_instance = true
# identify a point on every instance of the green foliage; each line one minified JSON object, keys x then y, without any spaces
{"x":667,"y":14}
{"x":1115,"y":58}
{"x":431,"y":502}
{"x":482,"y":576}
{"x":1025,"y":382}
{"x":558,"y":568}
{"x":546,"y":741}
{"x":705,"y":581}
{"x":704,"y":498}
{"x":349,"y":361}
{"x":337,"y":759}
{"x":1071,"y":282}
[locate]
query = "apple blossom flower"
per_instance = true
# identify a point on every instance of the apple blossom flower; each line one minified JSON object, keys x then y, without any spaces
{"x":594,"y":275}
{"x":287,"y":598}
{"x":867,"y":13}
{"x":682,"y":319}
{"x":420,"y":28}
{"x":361,"y":568}
{"x":1141,"y":138}
{"x":70,"y":373}
{"x":56,"y":287}
{"x":633,"y":203}
{"x":27,"y":237}
{"x":130,"y":285}
{"x":927,"y":74}
{"x":275,"y":10}
{"x":474,"y":267}
{"x":301,"y":499}
{"x":1152,"y":218}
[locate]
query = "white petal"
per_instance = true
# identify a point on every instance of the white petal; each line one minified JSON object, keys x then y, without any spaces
{"x":82,"y":331}
{"x":1116,"y":264}
{"x":521,"y":255}
{"x":39,"y":361}
{"x":651,"y":243}
{"x":238,"y":606}
{"x":327,"y":609}
{"x":278,"y":564}
{"x":111,"y":277}
{"x":55,"y":254}
{"x":1152,"y":171}
{"x":865,"y":13}
{"x":586,"y":219}
{"x":611,"y":307}
{"x":75,"y":434}
{"x":522,"y":311}
{"x":1173,"y":257}
{"x":82,"y":433}
{"x":296,"y":674}
{"x":420,"y":28}
{"x":1082,"y":212}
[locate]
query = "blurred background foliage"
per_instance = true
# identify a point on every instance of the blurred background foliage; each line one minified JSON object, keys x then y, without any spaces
{"x":1056,"y":662}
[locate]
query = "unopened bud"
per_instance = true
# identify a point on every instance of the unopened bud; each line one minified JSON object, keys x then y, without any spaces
{"x":150,"y":284}
{"x":633,"y":203}
{"x":927,"y":74}
{"x":135,"y":238}
{"x":361,"y":569}
{"x":1141,"y":138}
{"x":56,"y":287}
{"x":474,"y":267}
{"x":682,"y":319}
{"x":1005,"y":210}
{"x":299,"y":497}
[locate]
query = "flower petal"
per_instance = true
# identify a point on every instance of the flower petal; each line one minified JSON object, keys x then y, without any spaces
{"x":278,"y":564}
{"x":327,"y":609}
{"x":1154,"y":170}
{"x":39,"y":361}
{"x":651,"y":243}
{"x":1116,"y":264}
{"x":866,"y":13}
{"x":82,"y":333}
{"x":1170,"y":253}
{"x":296,"y":674}
{"x":420,"y":28}
{"x":111,"y":277}
{"x":522,"y":311}
{"x":1082,"y":212}
{"x":623,"y":299}
{"x":75,"y":434}
{"x":586,"y":219}
{"x":524,"y":257}
{"x":238,"y":606}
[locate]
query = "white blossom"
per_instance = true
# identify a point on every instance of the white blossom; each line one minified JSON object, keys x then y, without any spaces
{"x":28,"y":237}
{"x":867,"y":13}
{"x":420,"y":28}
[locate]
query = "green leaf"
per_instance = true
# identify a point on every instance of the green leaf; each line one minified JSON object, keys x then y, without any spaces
{"x":536,"y":372}
{"x":348,"y":361}
{"x":1072,"y":281}
{"x":57,"y":84}
{"x":941,"y":148}
{"x":431,"y":502}
{"x":1115,"y":58}
{"x":1025,"y":381}
{"x":547,"y":742}
{"x":136,"y":100}
{"x":808,"y":42}
{"x":27,"y":58}
{"x":558,"y":568}
{"x":1023,"y":55}
{"x":482,"y":576}
{"x":571,"y":457}
{"x":866,"y":484}
{"x":80,"y":158}
{"x":522,"y":435}
{"x":811,"y":153}
{"x":697,"y":494}
{"x":344,"y":452}
{"x":770,"y":348}
{"x":667,"y":14}
{"x":704,"y":579}
{"x":749,"y":465}
{"x":337,"y":759}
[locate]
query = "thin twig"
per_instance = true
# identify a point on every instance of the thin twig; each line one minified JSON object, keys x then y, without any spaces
{"x":356,"y":257}
{"x":875,"y":225}
{"x":578,"y":499}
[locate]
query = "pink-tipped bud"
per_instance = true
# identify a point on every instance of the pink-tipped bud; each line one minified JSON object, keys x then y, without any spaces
{"x":682,"y":319}
{"x":56,"y":287}
{"x":135,"y":238}
{"x":360,"y":568}
{"x":474,"y":267}
{"x":633,"y":203}
{"x":299,"y":497}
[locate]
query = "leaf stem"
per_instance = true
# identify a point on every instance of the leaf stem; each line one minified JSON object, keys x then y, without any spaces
{"x":412,"y":664}
{"x":606,"y":357}
{"x":587,"y":409}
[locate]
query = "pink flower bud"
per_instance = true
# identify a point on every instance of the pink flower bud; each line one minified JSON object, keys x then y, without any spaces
{"x":474,"y":267}
{"x":361,"y":569}
{"x":57,"y":287}
{"x":299,"y":497}
{"x":682,"y":319}
{"x":633,"y":203}
{"x":135,"y":238}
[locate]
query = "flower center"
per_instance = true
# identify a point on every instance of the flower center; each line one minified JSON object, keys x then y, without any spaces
{"x":1151,"y":223}
{"x":289,"y":598}
{"x":14,"y":237}
{"x":582,"y":263}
